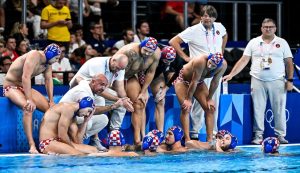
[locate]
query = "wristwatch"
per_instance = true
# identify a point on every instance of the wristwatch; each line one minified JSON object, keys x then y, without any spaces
{"x":290,"y":80}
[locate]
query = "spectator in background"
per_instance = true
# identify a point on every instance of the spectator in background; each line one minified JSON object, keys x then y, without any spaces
{"x":128,"y":37}
{"x":5,"y":63}
{"x":73,"y":5}
{"x":10,"y":48}
{"x":72,"y":45}
{"x":62,"y":65}
{"x":75,"y":59}
{"x":2,"y":17}
{"x":143,"y":30}
{"x":20,"y":32}
{"x":56,"y":19}
{"x":34,"y":10}
{"x":96,"y":39}
{"x":76,"y":40}
{"x":112,"y":51}
{"x":89,"y":52}
{"x":22,"y":47}
{"x":2,"y":47}
{"x":175,"y":11}
{"x":272,"y":76}
{"x":13,"y":14}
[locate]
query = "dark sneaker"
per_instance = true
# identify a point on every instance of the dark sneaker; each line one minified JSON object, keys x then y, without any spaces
{"x":257,"y":140}
{"x":96,"y":143}
{"x":194,"y":137}
{"x":282,"y":140}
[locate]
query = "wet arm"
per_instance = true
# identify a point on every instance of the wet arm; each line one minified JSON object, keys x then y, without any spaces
{"x":195,"y":78}
{"x":29,"y":65}
{"x":150,"y":74}
{"x":49,"y":83}
{"x":64,"y":124}
{"x":215,"y":81}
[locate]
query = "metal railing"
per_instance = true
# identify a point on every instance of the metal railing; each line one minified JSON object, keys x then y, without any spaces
{"x":234,"y":13}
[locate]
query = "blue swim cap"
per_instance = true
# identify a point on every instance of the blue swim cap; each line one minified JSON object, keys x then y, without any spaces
{"x":116,"y":138}
{"x":150,"y":43}
{"x":217,"y":58}
{"x":234,"y":140}
{"x":168,"y":54}
{"x":150,"y":142}
{"x":270,"y":145}
{"x":158,"y":133}
{"x":51,"y":51}
{"x":86,"y":102}
{"x":178,"y":132}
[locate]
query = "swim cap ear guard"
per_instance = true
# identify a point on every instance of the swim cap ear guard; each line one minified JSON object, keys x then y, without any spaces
{"x":168,"y":54}
{"x":152,"y":140}
{"x":270,"y":145}
{"x":217,"y":58}
{"x":178,"y":132}
{"x":51,"y":51}
{"x":116,"y":138}
{"x":86,"y":102}
{"x":150,"y":43}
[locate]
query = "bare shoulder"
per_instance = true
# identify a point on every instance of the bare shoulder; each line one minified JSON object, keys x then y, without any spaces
{"x":66,"y":108}
{"x":130,"y":50}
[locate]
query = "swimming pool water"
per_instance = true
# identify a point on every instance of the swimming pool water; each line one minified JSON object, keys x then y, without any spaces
{"x":248,"y":159}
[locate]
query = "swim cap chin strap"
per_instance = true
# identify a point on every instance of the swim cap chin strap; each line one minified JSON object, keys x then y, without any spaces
{"x":178,"y":132}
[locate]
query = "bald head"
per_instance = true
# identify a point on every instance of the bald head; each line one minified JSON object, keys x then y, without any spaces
{"x":118,"y":62}
{"x":99,"y":83}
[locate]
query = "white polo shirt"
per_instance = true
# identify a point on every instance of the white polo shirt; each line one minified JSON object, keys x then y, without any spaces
{"x":98,"y":65}
{"x":81,"y":90}
{"x":201,"y":41}
{"x":278,"y":49}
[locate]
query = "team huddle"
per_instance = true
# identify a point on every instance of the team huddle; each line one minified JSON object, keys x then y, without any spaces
{"x":116,"y":84}
{"x":119,"y":84}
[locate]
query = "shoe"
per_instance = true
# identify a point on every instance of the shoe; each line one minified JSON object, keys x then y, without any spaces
{"x":194,"y":137}
{"x":257,"y":140}
{"x":96,"y":143}
{"x":282,"y":140}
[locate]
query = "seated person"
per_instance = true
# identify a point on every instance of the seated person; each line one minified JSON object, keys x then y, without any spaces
{"x":224,"y":141}
{"x":270,"y":145}
{"x":151,"y":141}
{"x":115,"y":141}
{"x":172,"y":141}
{"x":54,"y":131}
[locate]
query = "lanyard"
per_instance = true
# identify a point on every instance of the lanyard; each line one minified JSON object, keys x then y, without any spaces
{"x":269,"y":52}
{"x":107,"y":73}
{"x":214,"y":39}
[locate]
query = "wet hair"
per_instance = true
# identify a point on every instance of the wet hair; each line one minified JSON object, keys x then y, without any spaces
{"x":210,"y":10}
